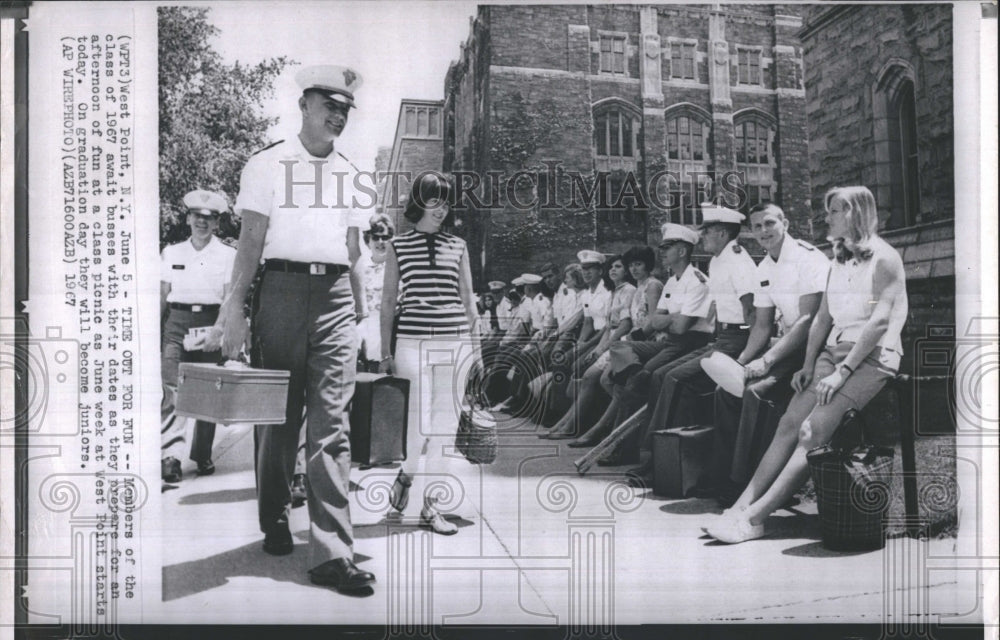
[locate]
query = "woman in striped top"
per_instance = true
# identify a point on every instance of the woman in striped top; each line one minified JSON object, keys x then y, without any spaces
{"x":433,"y":346}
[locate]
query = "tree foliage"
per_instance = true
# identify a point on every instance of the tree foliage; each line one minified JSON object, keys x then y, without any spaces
{"x":211,"y":116}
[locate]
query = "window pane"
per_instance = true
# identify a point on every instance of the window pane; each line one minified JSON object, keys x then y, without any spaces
{"x":627,"y":137}
{"x":619,"y":45}
{"x":698,"y":142}
{"x":411,"y":121}
{"x":422,"y":122}
{"x":613,"y":135}
{"x":619,"y":63}
{"x":605,"y":44}
{"x":601,"y":134}
{"x":434,"y":115}
{"x":762,"y":147}
{"x":741,"y":155}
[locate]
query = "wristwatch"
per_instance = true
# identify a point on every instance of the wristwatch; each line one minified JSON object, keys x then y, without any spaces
{"x":842,"y":368}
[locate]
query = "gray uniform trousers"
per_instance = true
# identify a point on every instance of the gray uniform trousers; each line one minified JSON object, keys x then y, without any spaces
{"x":745,"y":426}
{"x":172,"y":426}
{"x":306,"y":324}
{"x":675,"y":389}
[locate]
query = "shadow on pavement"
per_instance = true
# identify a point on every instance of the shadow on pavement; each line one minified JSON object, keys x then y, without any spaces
{"x":222,"y":496}
{"x":690,"y":507}
{"x":196,"y":576}
{"x":817,"y":550}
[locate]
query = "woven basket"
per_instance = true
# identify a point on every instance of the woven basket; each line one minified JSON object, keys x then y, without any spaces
{"x":853,"y":492}
{"x":478,"y":442}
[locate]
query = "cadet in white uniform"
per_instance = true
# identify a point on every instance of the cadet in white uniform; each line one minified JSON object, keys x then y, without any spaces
{"x":303,"y":318}
{"x":790,"y":282}
{"x":194,"y":278}
{"x":852,"y":351}
{"x":682,"y":323}
{"x":674,"y":389}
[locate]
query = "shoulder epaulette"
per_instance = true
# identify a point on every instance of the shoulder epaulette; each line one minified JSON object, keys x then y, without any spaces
{"x":702,"y":278}
{"x":273,"y":144}
{"x":805,"y":245}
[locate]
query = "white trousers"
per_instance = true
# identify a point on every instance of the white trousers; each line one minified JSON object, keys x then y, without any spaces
{"x":437,"y":369}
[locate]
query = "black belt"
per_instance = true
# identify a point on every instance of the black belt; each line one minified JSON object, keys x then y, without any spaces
{"x":312,"y":268}
{"x":731,"y":326}
{"x":194,"y":308}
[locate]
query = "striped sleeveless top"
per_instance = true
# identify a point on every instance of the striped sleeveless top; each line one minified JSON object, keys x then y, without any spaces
{"x":428,"y":276}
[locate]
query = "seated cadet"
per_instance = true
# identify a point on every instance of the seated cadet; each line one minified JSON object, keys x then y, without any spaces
{"x":674,"y":388}
{"x":619,"y":323}
{"x":520,"y":356}
{"x":790,"y":279}
{"x":681,"y":324}
{"x":194,"y":281}
{"x":567,"y":315}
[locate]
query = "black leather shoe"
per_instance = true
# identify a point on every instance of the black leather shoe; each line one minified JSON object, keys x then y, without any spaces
{"x":298,"y":490}
{"x":341,"y":574}
{"x":170,"y":469}
{"x":206,"y":468}
{"x":279,"y":541}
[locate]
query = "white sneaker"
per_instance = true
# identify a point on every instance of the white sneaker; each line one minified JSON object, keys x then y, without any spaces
{"x":713,"y":518}
{"x":735,"y":529}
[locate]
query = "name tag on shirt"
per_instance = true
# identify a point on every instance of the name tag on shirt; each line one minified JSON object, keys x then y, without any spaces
{"x":178,"y":266}
{"x":765,"y":283}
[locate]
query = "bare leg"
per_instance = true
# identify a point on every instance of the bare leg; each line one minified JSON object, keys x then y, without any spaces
{"x":817,"y":429}
{"x":779,"y":451}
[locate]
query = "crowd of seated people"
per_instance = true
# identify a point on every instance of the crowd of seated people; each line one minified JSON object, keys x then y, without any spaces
{"x":583,"y":349}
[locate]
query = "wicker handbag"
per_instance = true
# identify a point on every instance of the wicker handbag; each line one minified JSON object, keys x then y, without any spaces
{"x":853,"y":488}
{"x":476,"y":440}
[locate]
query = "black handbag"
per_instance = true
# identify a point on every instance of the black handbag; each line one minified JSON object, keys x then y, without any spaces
{"x":853,"y":488}
{"x":476,"y":441}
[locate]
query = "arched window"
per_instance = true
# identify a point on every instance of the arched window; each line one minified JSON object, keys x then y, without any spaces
{"x":754,"y":133}
{"x":897,"y":168}
{"x":689,"y":159}
{"x":903,"y":151}
{"x":617,"y":134}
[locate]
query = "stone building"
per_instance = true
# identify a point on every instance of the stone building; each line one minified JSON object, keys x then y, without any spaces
{"x":416,"y":148}
{"x":879,"y":108}
{"x":681,"y":102}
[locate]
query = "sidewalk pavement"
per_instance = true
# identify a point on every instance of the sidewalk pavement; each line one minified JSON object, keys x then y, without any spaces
{"x":541,"y":546}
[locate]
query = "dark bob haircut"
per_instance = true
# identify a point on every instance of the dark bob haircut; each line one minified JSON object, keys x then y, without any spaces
{"x":642,"y":254}
{"x":429,"y":191}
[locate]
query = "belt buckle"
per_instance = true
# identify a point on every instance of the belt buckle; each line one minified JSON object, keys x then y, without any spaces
{"x":196,"y":308}
{"x":317,"y":269}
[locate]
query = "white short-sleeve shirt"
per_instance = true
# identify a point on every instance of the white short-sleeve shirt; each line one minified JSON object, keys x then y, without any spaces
{"x":565,"y":303}
{"x":596,"y":305}
{"x":801,"y":269}
{"x":731,"y":275}
{"x":688,"y":295}
{"x":197,"y":277}
{"x":541,"y":308}
{"x":282,"y":182}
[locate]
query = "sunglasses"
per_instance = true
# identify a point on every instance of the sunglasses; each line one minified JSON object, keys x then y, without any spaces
{"x":383,"y":238}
